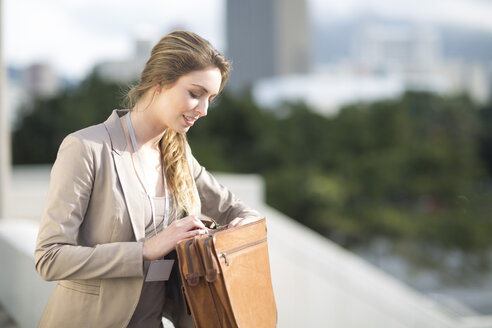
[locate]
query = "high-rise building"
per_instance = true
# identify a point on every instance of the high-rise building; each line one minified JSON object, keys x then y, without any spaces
{"x":126,"y":70}
{"x":266,"y":38}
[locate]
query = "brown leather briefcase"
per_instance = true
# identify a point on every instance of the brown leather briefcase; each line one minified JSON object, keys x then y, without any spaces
{"x":226,"y":278}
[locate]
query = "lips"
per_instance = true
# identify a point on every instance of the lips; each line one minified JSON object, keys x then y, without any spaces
{"x":189,"y":120}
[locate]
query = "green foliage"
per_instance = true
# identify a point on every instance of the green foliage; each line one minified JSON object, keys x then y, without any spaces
{"x":414,"y":168}
{"x":231,"y":137}
{"x":485,"y":136}
{"x":43,"y":127}
{"x":398,"y":168}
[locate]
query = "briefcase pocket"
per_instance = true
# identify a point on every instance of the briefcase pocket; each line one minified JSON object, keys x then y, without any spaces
{"x":245,"y":268}
{"x":228,"y":256}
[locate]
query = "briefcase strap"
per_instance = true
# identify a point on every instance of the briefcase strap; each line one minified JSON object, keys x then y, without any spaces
{"x":211,"y":268}
{"x":193,"y":276}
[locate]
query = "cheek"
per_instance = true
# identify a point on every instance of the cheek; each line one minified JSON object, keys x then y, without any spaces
{"x":183,"y":103}
{"x":189,"y":103}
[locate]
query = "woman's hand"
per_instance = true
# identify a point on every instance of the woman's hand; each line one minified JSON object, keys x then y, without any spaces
{"x":237,"y":222}
{"x":165,"y":241}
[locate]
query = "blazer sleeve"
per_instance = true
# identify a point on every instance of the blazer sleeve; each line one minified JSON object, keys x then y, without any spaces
{"x":216,"y":200}
{"x":58,"y":255}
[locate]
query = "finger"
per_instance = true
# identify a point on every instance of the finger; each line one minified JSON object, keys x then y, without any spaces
{"x":201,"y":225}
{"x":192,"y":222}
{"x":194,"y":233}
{"x":197,"y":223}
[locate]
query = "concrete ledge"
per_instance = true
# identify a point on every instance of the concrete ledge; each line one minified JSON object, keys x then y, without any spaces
{"x":23,"y":293}
{"x":319,"y":284}
{"x":316,"y":282}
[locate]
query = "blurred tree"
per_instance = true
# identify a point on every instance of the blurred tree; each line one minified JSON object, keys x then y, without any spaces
{"x":414,"y":168}
{"x":409,"y":160}
{"x":41,"y":128}
{"x":394,"y":168}
{"x":485,"y":136}
{"x":234,"y":135}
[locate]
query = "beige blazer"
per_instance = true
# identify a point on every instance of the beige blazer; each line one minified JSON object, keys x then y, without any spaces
{"x":92,"y":231}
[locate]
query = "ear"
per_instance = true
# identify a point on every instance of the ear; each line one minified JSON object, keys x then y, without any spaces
{"x":158,"y":88}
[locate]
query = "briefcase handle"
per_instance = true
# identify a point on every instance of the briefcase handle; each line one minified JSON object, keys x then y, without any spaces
{"x":213,"y":225}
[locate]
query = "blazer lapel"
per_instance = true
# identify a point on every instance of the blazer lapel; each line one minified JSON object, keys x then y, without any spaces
{"x":126,"y":174}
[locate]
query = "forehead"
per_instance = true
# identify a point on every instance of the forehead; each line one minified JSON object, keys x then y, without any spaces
{"x":208,"y":78}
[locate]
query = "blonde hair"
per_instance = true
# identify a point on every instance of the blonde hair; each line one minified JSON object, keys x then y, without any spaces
{"x":177,"y":54}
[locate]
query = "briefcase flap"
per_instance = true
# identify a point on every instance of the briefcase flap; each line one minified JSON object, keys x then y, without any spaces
{"x":241,"y":236}
{"x":245,"y":268}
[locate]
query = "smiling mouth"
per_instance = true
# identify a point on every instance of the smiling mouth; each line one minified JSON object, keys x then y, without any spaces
{"x":189,"y":120}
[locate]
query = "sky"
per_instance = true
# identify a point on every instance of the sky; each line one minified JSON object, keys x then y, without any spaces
{"x":469,"y":13}
{"x":74,"y":35}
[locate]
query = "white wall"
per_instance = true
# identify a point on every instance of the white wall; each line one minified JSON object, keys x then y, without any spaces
{"x":23,"y":293}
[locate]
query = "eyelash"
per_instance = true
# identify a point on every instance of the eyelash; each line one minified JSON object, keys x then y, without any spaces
{"x":192,"y":95}
{"x":195,"y":96}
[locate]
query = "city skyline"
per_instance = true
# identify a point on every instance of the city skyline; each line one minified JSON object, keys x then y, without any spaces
{"x":58,"y":32}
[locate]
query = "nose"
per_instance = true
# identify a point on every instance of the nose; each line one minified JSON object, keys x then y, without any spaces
{"x":202,"y":108}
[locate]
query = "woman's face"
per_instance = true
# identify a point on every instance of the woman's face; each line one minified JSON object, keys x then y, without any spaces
{"x":180,"y":105}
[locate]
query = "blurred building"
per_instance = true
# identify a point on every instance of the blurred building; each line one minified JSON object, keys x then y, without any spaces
{"x":25,"y":84}
{"x":41,"y":80}
{"x":395,"y":49}
{"x":412,"y":53}
{"x":472,"y":78}
{"x":126,"y":70}
{"x":266,"y":38}
{"x":17,"y":95}
{"x":386,"y":61}
{"x":326,"y":91}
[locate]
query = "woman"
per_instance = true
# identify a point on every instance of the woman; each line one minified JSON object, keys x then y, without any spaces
{"x":124,"y":192}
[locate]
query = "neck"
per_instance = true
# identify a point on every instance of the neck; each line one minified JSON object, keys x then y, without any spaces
{"x":147,"y":134}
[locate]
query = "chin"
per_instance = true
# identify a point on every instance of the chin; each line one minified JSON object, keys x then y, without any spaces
{"x":182,"y":129}
{"x":178,"y":128}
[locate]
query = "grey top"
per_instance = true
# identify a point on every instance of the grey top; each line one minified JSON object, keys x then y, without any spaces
{"x":149,"y":309}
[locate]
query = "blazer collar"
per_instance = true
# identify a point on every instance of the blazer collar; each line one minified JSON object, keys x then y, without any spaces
{"x":126,"y":173}
{"x":115,"y":130}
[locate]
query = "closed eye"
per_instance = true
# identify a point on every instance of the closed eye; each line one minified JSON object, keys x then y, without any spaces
{"x":193,"y":95}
